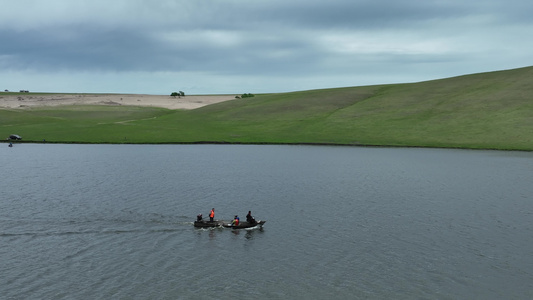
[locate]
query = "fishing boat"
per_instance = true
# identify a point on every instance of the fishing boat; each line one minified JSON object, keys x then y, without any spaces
{"x":227,"y":224}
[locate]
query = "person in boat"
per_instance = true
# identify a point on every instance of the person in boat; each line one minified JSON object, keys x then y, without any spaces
{"x":249,"y":218}
{"x":199,"y":218}
{"x":235,"y":221}
{"x":212,"y":215}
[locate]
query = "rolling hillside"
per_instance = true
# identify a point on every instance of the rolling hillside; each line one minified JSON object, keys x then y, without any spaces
{"x":481,"y":111}
{"x":488,"y":110}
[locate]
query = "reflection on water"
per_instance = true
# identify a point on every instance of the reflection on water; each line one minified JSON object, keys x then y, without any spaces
{"x":116,"y":221}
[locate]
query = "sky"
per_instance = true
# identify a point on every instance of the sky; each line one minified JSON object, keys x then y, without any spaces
{"x":254,"y":46}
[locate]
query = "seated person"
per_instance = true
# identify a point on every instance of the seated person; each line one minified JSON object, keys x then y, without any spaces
{"x":199,"y":217}
{"x":235,"y":221}
{"x":249,"y":218}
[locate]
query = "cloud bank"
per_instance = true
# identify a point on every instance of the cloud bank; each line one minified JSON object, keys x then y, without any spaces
{"x":237,"y":46}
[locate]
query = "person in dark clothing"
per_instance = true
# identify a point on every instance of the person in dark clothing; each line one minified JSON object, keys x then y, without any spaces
{"x":199,"y":217}
{"x":249,"y":218}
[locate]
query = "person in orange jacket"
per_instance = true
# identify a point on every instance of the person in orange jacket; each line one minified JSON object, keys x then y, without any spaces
{"x":212,"y":215}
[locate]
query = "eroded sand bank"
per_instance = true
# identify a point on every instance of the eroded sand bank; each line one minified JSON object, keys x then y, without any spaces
{"x":36,"y":100}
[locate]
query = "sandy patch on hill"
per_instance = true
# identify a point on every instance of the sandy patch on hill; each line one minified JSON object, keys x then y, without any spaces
{"x":188,"y":102}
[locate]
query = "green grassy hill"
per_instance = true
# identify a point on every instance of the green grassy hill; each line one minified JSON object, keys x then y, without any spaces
{"x":480,"y":111}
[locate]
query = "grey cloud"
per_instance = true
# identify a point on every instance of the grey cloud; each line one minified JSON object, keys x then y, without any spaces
{"x":266,"y":38}
{"x":88,"y":48}
{"x":78,"y":48}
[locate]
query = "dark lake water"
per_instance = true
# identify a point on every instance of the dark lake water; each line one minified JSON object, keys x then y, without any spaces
{"x":115,"y":222}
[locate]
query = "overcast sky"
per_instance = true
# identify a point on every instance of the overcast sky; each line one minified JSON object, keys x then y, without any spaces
{"x":254,"y":46}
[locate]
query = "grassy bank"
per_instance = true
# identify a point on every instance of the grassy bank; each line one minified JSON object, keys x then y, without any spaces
{"x":480,"y":111}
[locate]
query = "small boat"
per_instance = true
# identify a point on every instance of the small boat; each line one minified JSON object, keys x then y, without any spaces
{"x":244,"y":224}
{"x":227,"y":224}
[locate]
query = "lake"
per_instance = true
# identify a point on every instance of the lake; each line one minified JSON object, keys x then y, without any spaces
{"x":116,"y":222}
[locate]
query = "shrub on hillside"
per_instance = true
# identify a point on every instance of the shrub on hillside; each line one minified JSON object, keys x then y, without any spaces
{"x":247,"y":95}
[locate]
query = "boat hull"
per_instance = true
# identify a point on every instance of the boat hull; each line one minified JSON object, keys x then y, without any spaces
{"x":207,"y":224}
{"x":226,"y":224}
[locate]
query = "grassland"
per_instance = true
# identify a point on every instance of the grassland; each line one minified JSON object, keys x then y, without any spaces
{"x":479,"y":111}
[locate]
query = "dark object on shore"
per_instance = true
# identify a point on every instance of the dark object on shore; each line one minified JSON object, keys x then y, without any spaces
{"x":227,"y":224}
{"x":15,"y":137}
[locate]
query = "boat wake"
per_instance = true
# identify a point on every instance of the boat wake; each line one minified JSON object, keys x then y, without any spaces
{"x":49,"y":228}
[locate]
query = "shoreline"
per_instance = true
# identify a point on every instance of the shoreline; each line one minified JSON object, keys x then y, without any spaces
{"x":269,"y":144}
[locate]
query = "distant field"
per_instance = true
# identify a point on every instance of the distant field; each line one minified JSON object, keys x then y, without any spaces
{"x":480,"y":111}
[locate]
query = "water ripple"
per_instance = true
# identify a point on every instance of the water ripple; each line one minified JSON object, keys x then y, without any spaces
{"x":116,"y":221}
